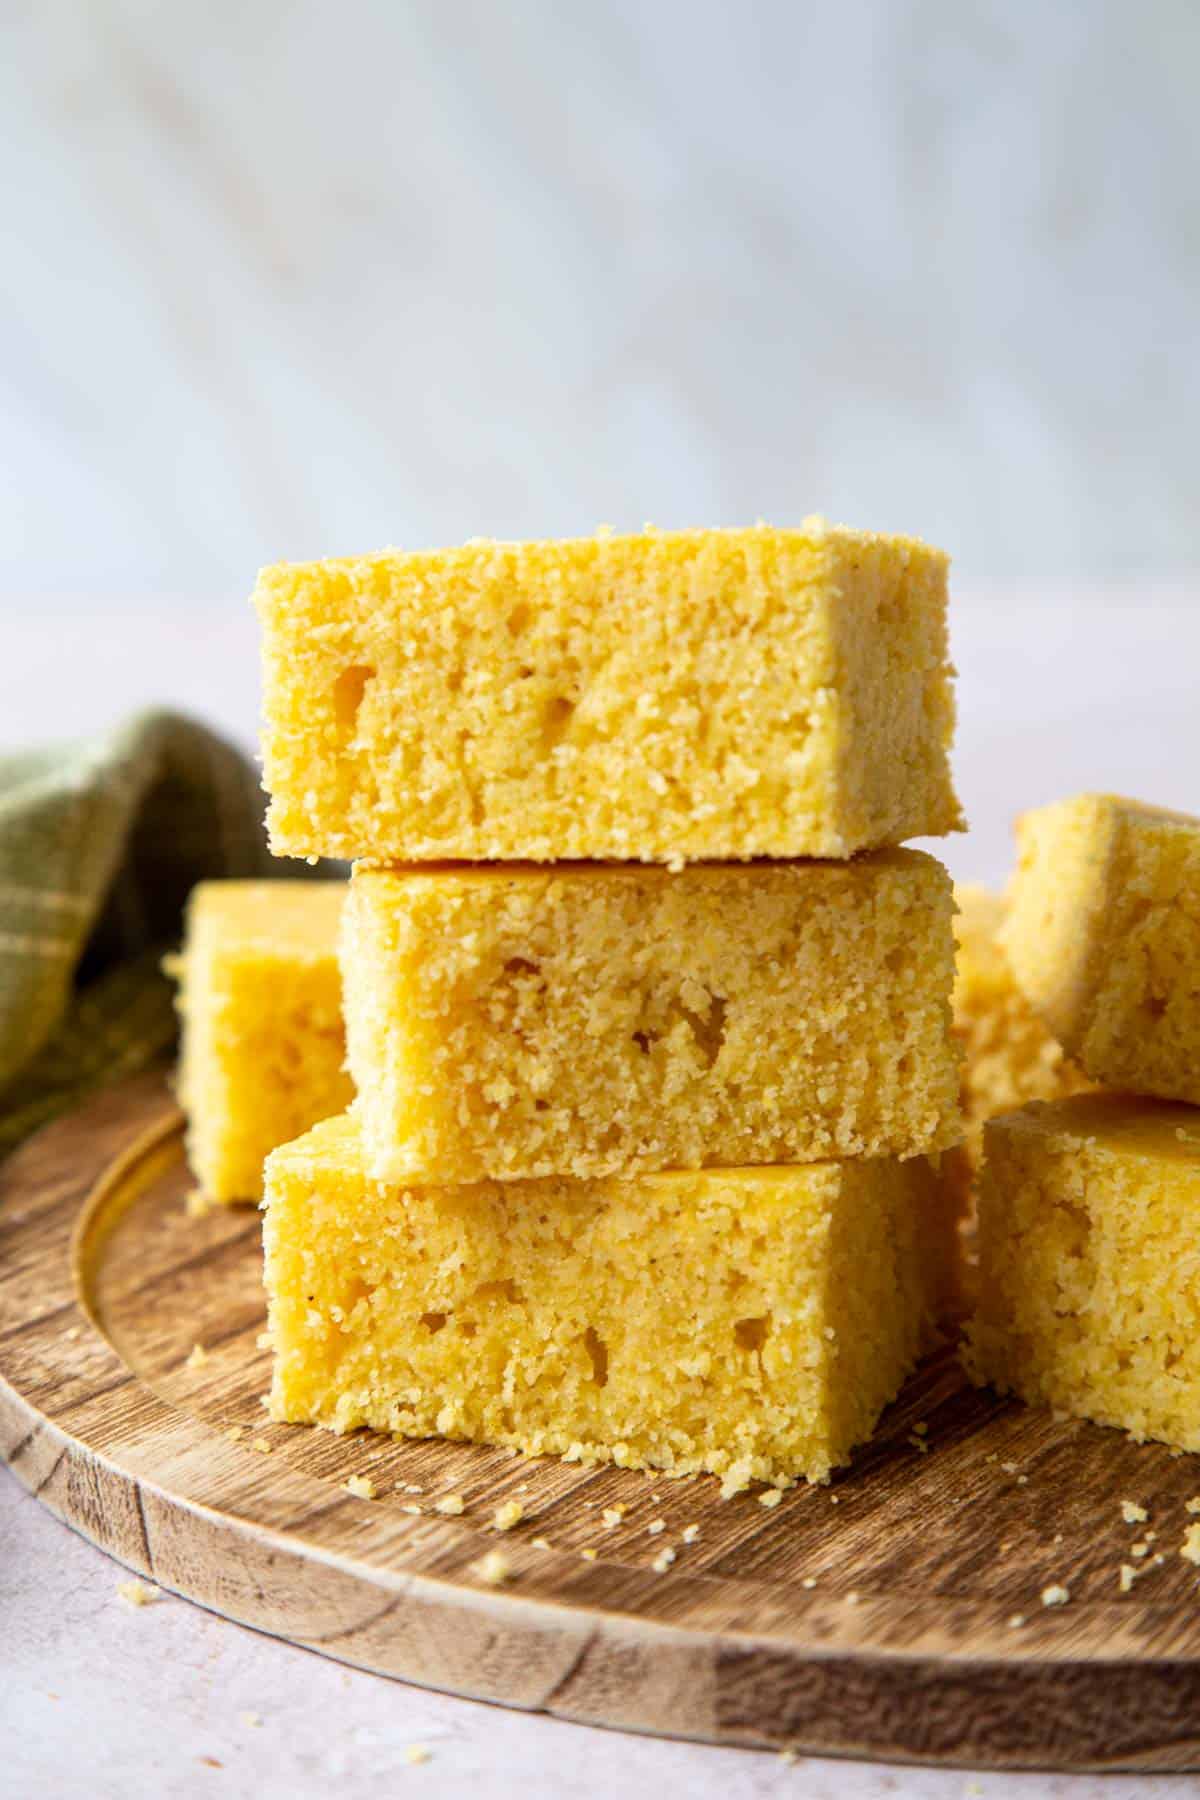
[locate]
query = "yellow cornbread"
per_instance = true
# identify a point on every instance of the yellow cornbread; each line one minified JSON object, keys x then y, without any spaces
{"x":1009,"y":1056}
{"x":662,"y":697}
{"x":1103,"y":936}
{"x":262,"y":1041}
{"x":1089,"y":1281}
{"x":590,"y":1019}
{"x":747,"y":1322}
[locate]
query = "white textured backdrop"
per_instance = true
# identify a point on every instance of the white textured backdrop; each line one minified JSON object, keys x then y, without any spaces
{"x":278,"y":280}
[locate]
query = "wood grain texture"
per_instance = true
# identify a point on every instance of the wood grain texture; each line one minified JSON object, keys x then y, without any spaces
{"x":901,"y":1648}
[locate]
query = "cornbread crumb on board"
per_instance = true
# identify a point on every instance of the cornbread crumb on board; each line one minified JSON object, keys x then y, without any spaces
{"x":1086,"y":1214}
{"x":507,"y":1515}
{"x":1055,"y":1595}
{"x":597,"y":1020}
{"x":361,"y":1486}
{"x":494,"y":1568}
{"x":670,"y":696}
{"x":452,"y":1505}
{"x":1133,"y":1512}
{"x":1190,"y":1548}
{"x":197,"y":1357}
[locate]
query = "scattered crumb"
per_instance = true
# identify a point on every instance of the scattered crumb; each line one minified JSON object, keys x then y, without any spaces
{"x":1139,"y":1549}
{"x":509,"y":1514}
{"x":655,"y":1526}
{"x":197,"y":1357}
{"x":1192,"y":1505}
{"x":835,"y":1499}
{"x":853,"y":1597}
{"x":450,"y":1504}
{"x":409,"y":1487}
{"x":262,"y":1446}
{"x":789,"y":1755}
{"x":197,"y":1204}
{"x":410,"y":1506}
{"x":1057,"y":1538}
{"x":1010,"y":1468}
{"x":540,"y":1543}
{"x":1132,"y":1513}
{"x":918,"y":1443}
{"x":1022,"y":1481}
{"x":72,"y":1333}
{"x":921,"y":1427}
{"x":1127,"y":1576}
{"x":588,"y":1555}
{"x":235,"y":1433}
{"x":736,"y":1479}
{"x":663,"y":1560}
{"x":250,"y":1719}
{"x":263,"y":1340}
{"x":361,"y":1486}
{"x":494,"y":1569}
{"x":809,"y":1581}
{"x":772,"y":1497}
{"x":138,"y":1593}
{"x":611,"y":1517}
{"x":417,"y":1753}
{"x":690,"y":1533}
{"x":1055,"y":1595}
{"x":1190,"y":1547}
{"x":1015,"y":1621}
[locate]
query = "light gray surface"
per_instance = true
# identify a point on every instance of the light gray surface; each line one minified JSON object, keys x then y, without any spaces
{"x":290,"y":280}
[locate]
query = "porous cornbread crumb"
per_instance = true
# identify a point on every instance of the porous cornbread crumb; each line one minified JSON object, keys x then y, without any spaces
{"x":261,"y":1013}
{"x":1089,"y":1293}
{"x":661,"y":697}
{"x":1009,"y":1055}
{"x":591,"y":1020}
{"x":677,"y":1320}
{"x":1103,"y":935}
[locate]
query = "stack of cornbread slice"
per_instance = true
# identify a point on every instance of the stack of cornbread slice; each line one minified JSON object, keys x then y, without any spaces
{"x":645,"y":1159}
{"x":1089,"y":1206}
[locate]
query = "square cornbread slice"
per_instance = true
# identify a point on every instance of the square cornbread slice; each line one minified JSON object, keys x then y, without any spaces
{"x":747,"y":1322}
{"x":1104,"y":938}
{"x":1009,"y":1056}
{"x":509,"y":1022}
{"x":1089,"y":1282}
{"x":663,"y":697}
{"x":262,"y":1044}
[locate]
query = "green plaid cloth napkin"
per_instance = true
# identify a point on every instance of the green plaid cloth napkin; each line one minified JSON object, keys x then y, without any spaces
{"x":100,"y":843}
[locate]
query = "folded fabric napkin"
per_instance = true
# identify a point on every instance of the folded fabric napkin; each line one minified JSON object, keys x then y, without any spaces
{"x":100,"y":843}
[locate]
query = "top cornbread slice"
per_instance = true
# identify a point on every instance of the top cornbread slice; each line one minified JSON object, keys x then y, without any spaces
{"x":662,"y":697}
{"x":1103,"y":936}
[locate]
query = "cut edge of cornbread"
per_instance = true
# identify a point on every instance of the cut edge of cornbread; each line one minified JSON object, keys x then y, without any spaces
{"x":262,"y":1044}
{"x":659,"y":696}
{"x":1088,"y":1300}
{"x":521,"y":1022}
{"x":749,"y":1323}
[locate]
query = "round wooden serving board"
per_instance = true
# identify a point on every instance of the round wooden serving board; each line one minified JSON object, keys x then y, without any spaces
{"x":871,"y":1617}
